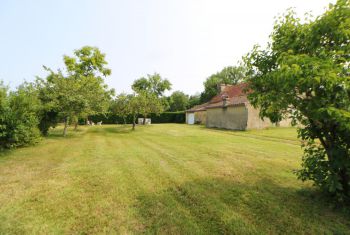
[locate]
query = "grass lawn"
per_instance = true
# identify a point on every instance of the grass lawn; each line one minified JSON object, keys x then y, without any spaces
{"x":168,"y":179}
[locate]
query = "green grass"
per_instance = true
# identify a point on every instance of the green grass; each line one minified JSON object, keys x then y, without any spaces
{"x":167,"y":179}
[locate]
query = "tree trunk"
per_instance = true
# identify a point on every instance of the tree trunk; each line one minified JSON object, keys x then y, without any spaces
{"x":124,"y":119}
{"x":144,"y":120}
{"x":133,"y":123}
{"x":65,"y":126}
{"x":345,"y":180}
{"x":76,"y":126}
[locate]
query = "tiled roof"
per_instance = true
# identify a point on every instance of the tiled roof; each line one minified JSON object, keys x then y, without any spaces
{"x":230,"y":91}
{"x":235,"y":95}
{"x":197,"y":108}
{"x":233,"y":101}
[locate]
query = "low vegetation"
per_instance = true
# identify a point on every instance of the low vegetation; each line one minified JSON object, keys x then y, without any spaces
{"x":166,"y":178}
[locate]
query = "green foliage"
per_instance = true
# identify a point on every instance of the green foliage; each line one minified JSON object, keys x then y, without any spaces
{"x":194,"y":100}
{"x":179,"y":101}
{"x":79,"y":93}
{"x":229,"y":75}
{"x":169,"y":117}
{"x":304,"y":75}
{"x":120,"y":106}
{"x":149,"y":96}
{"x":18,"y":118}
{"x":145,"y":103}
{"x":114,"y":118}
{"x":153,"y":84}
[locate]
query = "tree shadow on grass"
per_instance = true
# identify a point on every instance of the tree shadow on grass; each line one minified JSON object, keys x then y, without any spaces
{"x":219,"y":206}
{"x":112,"y":129}
{"x":59,"y":135}
{"x":5,"y":152}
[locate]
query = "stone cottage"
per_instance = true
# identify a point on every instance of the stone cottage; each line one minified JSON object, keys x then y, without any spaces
{"x":230,"y":109}
{"x":197,"y":114}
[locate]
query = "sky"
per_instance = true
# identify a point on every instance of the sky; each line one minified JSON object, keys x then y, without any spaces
{"x":184,"y":40}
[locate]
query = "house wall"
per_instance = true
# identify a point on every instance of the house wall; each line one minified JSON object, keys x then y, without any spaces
{"x":254,"y":121}
{"x":200,"y":117}
{"x":285,"y":123}
{"x":233,"y":118}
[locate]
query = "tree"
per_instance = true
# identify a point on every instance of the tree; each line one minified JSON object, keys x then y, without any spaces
{"x":149,"y":103}
{"x":229,"y":75}
{"x":178,"y":101}
{"x":150,"y":92}
{"x":48,"y":113}
{"x":134,"y":108}
{"x":153,"y":84}
{"x":120,"y":106}
{"x":18,"y":117}
{"x":81,"y":91}
{"x":194,"y":100}
{"x":304,"y":74}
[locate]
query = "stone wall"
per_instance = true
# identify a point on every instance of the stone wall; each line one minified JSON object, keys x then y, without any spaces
{"x":233,"y":118}
{"x":285,"y":123}
{"x":200,"y":117}
{"x":254,"y":121}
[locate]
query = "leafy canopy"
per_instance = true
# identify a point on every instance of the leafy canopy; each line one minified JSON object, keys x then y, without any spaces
{"x":120,"y":106}
{"x":179,"y":101}
{"x":18,"y":117}
{"x":81,"y":91}
{"x":304,"y":74}
{"x":153,"y":84}
{"x":230,"y":75}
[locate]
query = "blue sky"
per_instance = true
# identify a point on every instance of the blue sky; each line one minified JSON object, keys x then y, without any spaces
{"x":184,"y":40}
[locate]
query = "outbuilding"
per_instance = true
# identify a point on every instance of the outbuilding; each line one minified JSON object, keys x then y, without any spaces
{"x":197,"y":114}
{"x":230,"y":109}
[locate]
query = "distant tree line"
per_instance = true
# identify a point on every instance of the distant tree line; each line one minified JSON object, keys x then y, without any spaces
{"x":77,"y":92}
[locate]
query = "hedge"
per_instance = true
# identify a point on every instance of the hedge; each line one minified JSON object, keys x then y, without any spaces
{"x":166,"y":117}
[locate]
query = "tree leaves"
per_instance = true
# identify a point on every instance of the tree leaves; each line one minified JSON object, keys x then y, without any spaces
{"x":304,"y":73}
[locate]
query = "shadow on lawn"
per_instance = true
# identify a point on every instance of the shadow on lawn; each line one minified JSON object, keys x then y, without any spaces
{"x":218,"y":206}
{"x":5,"y":152}
{"x":115,"y":129}
{"x":59,"y":134}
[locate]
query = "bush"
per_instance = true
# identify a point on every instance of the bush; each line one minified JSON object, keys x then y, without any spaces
{"x":169,"y":117}
{"x":166,"y":117}
{"x":18,"y":119}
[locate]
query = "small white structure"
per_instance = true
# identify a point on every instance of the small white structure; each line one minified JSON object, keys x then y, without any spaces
{"x":190,"y":118}
{"x":99,"y":123}
{"x":147,"y":121}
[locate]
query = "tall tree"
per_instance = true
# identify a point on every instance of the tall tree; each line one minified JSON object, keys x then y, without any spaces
{"x":120,"y":106}
{"x":149,"y":103}
{"x":229,"y":75}
{"x":178,"y":101}
{"x":304,"y":74}
{"x":194,"y":100}
{"x":150,"y":92}
{"x":153,"y":84}
{"x":81,"y":91}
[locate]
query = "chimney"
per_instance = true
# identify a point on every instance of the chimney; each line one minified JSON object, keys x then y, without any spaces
{"x":221,"y":87}
{"x":224,"y":98}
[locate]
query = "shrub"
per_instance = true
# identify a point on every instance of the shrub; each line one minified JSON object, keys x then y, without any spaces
{"x":18,"y":118}
{"x":166,"y":117}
